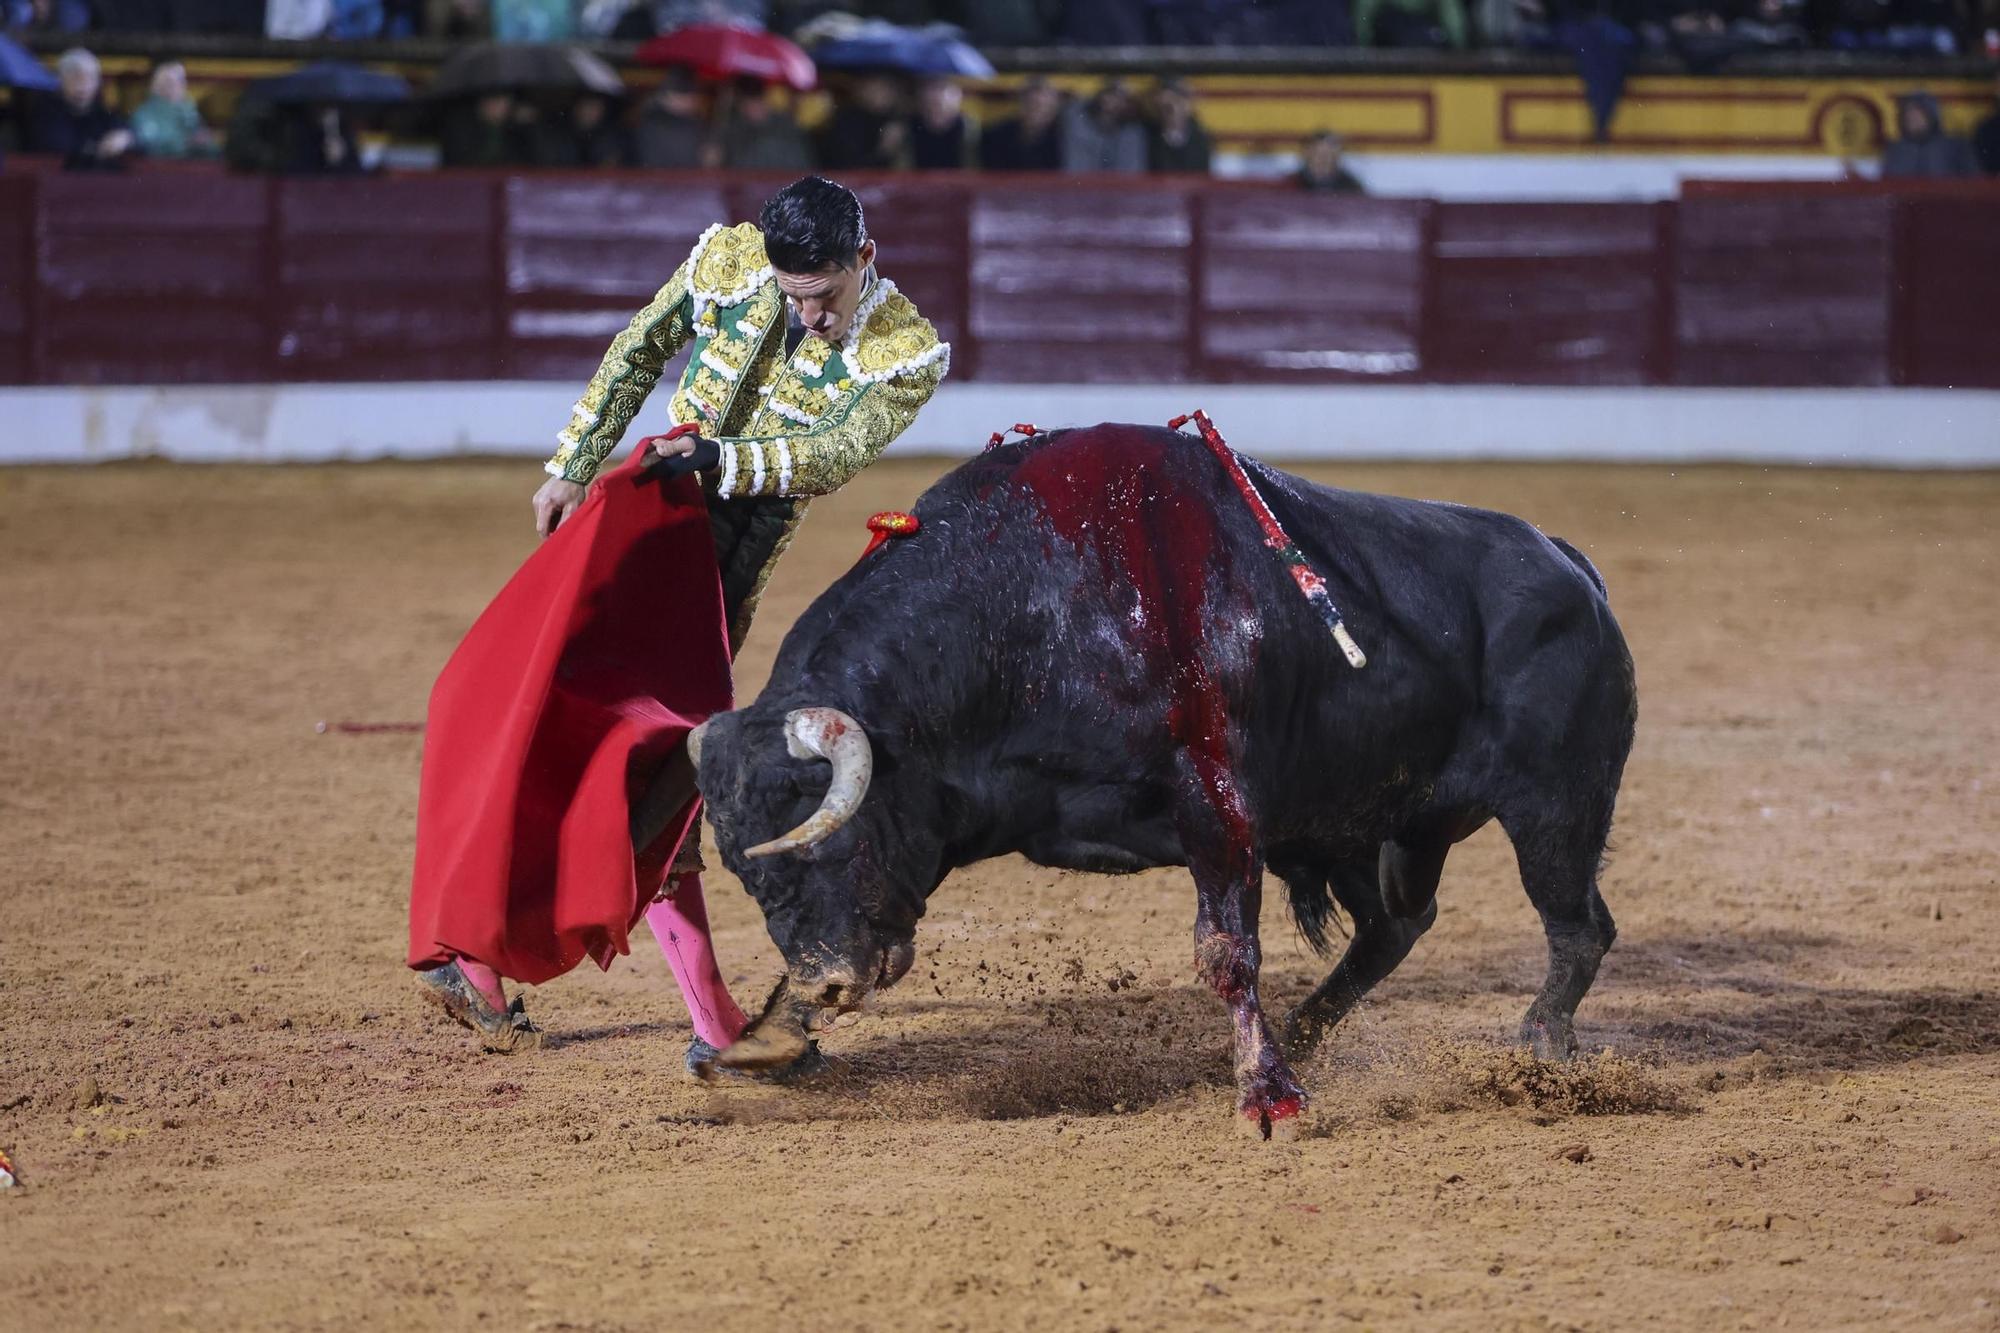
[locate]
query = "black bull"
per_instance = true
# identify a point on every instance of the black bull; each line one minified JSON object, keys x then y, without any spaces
{"x":1088,"y":656}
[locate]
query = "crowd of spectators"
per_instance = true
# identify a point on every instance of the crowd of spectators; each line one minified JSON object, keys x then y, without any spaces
{"x":1702,"y":32}
{"x":877,"y":122}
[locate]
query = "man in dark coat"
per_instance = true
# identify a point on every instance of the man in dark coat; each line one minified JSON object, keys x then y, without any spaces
{"x":1030,"y":140}
{"x":1176,"y":141}
{"x":76,"y":125}
{"x":1922,"y":148}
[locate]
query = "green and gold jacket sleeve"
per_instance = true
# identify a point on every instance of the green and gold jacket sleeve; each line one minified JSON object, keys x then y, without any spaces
{"x":630,"y":369}
{"x":873,"y":387}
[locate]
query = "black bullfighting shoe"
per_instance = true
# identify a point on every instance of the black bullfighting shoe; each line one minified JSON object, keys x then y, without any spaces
{"x":702,"y":1066}
{"x":500,"y":1031}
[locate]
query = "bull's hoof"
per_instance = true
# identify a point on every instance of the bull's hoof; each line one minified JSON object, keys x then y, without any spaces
{"x":1551,"y":1039}
{"x":501,"y":1032}
{"x":704,"y":1064}
{"x":1278,"y":1118}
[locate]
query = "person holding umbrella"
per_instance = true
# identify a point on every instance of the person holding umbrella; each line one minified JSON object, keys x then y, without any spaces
{"x":301,"y":123}
{"x":509,"y":104}
{"x":804,"y":364}
{"x":758,"y":136}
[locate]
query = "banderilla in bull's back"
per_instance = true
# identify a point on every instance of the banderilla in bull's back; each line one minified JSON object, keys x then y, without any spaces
{"x":1086,"y":654}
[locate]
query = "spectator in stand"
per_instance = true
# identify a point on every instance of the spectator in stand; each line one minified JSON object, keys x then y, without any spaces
{"x":1322,"y":169}
{"x":1910,"y":27}
{"x":321,"y":142}
{"x":761,"y":136}
{"x":39,"y":17}
{"x":941,"y":137}
{"x":673,"y":127}
{"x":1699,"y":33}
{"x":1922,"y":148}
{"x":1421,"y":23}
{"x":581,"y":132}
{"x":601,"y":140}
{"x":1176,"y":141}
{"x":481,"y":133}
{"x":867,"y":130}
{"x":461,"y":20}
{"x":355,"y":20}
{"x":1771,"y":25}
{"x":1986,"y":139}
{"x":168,"y":123}
{"x":1104,"y":133}
{"x":76,"y":125}
{"x":1030,"y":140}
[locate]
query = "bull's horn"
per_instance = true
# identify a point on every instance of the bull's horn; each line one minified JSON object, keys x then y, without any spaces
{"x":828,"y":734}
{"x":694,"y":743}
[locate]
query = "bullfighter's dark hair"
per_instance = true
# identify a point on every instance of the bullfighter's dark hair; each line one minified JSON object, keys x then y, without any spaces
{"x":810,"y":224}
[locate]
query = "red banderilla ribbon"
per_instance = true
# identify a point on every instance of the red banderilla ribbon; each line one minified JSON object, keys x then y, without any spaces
{"x":1308,"y":579}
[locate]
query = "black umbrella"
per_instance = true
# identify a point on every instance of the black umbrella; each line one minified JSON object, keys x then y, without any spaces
{"x":332,"y":82}
{"x":495,"y":67}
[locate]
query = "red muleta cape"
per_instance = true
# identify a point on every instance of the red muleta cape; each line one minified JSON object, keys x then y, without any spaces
{"x":583,"y":676}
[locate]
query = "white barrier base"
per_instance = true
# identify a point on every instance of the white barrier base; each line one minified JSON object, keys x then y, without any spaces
{"x":317,"y":422}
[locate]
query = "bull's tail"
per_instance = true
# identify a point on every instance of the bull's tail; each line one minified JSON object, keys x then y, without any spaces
{"x":1582,"y":562}
{"x":1312,"y":901}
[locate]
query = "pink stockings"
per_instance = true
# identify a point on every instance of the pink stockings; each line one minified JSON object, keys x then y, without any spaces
{"x":486,"y":981}
{"x":680,"y":924}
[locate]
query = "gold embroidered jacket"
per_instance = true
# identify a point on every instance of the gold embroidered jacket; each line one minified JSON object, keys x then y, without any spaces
{"x":791,"y":424}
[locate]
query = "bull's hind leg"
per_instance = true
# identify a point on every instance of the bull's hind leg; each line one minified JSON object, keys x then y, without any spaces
{"x":1392,"y":900}
{"x":1229,"y":888}
{"x":1559,"y":863}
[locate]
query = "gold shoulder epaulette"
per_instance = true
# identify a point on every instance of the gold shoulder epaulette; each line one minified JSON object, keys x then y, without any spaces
{"x":890,"y":338}
{"x":727,"y":266}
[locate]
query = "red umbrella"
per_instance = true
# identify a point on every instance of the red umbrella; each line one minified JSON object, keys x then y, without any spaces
{"x":718,"y":51}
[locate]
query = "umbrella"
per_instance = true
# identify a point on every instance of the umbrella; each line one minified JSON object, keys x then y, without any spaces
{"x":492,"y":67}
{"x":22,"y":70}
{"x":905,"y":50}
{"x":719,"y":51}
{"x":330,"y":81}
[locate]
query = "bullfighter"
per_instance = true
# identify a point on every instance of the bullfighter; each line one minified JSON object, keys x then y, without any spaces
{"x":804,"y":364}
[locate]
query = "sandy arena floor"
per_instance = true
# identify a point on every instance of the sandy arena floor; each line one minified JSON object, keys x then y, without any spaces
{"x":232,"y":1111}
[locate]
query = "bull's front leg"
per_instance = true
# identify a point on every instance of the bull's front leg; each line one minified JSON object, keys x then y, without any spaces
{"x":1229,"y":886}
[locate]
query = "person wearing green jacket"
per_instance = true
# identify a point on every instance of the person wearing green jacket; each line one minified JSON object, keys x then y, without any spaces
{"x":168,"y":123}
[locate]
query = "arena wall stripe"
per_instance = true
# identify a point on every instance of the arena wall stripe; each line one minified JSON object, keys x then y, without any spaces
{"x":311,"y":423}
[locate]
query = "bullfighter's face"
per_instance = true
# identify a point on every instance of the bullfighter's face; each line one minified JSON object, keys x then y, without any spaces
{"x":826,"y":300}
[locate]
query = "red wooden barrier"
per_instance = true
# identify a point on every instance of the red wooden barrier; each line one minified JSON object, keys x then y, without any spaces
{"x":1549,"y":294}
{"x":192,"y":276}
{"x":17,"y":267}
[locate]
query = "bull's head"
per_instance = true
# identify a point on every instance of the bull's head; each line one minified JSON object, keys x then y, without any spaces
{"x":840,"y":883}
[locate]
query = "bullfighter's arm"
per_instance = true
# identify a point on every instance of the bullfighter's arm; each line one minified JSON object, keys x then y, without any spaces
{"x":630,"y":369}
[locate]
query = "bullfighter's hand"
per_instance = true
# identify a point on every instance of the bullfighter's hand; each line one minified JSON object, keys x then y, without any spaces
{"x":686,"y":453}
{"x":555,"y":502}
